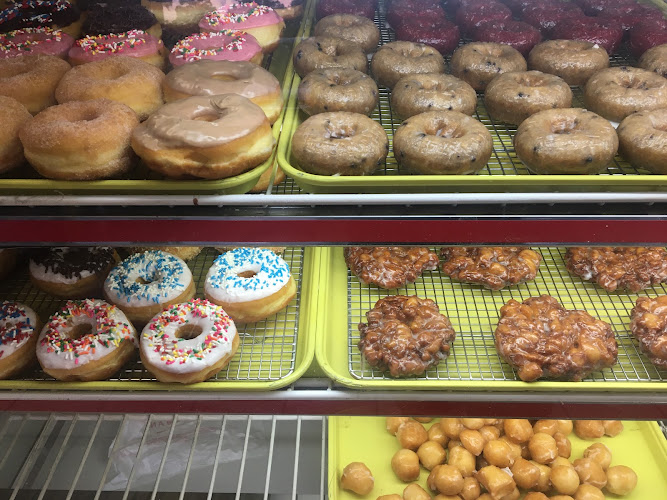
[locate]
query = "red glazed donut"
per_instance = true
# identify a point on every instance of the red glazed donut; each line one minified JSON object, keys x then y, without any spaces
{"x":518,"y":6}
{"x":439,"y":34}
{"x":469,"y":16}
{"x":545,"y":17}
{"x":646,"y":35}
{"x":595,"y":7}
{"x":398,"y":12}
{"x":357,"y":7}
{"x":590,"y":29}
{"x":522,"y":36}
{"x":628,"y":16}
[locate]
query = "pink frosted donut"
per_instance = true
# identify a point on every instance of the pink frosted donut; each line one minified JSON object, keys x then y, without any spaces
{"x":223,"y":45}
{"x":134,"y":43}
{"x":35,"y":41}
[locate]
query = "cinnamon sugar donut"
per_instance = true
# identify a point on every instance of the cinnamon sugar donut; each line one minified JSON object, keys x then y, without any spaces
{"x":648,"y":324}
{"x":337,"y":89}
{"x":414,"y":94}
{"x":389,"y":267}
{"x":575,"y":61}
{"x":655,"y":59}
{"x":395,"y":60}
{"x":356,"y":29}
{"x":328,"y":52}
{"x":478,"y":63}
{"x":642,"y":140}
{"x":13,"y":116}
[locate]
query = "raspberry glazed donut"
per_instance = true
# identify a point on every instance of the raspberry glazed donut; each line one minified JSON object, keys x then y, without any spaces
{"x":287,"y":9}
{"x":86,"y":340}
{"x":469,"y":16}
{"x":19,"y":329}
{"x":126,"y":80}
{"x":478,"y":63}
{"x":339,"y":143}
{"x":209,"y":78}
{"x":565,"y":141}
{"x":395,"y":60}
{"x":575,"y":61}
{"x":13,"y":116}
{"x":599,"y":31}
{"x":647,"y":34}
{"x":545,"y":17}
{"x":145,"y":283}
{"x":329,"y":7}
{"x":655,"y":59}
{"x":397,"y":12}
{"x":212,"y":137}
{"x":188,"y":343}
{"x":260,"y":21}
{"x":597,"y":7}
{"x":225,"y":45}
{"x":642,"y":139}
{"x":135,"y":43}
{"x":630,"y":15}
{"x":414,"y":94}
{"x":250,"y":284}
{"x":440,"y":34}
{"x":618,"y":92}
{"x":35,"y":41}
{"x":57,"y":14}
{"x":521,"y":36}
{"x":109,"y":18}
{"x":356,"y":29}
{"x":327,"y":52}
{"x":337,"y":89}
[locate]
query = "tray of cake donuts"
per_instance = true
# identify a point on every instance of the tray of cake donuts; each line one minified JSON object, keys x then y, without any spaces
{"x":504,"y":318}
{"x":479,"y":95}
{"x":157,"y":97}
{"x":159,"y":318}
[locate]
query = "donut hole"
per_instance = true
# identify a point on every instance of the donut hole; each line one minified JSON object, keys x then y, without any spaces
{"x":79,"y":330}
{"x":636,"y":83}
{"x":247,"y":274}
{"x":340,"y":80}
{"x":564,"y":126}
{"x":108,"y":72}
{"x":412,"y":52}
{"x":340,"y":132}
{"x":448,"y":130}
{"x":188,"y":331}
{"x":527,"y":81}
{"x":206,"y":117}
{"x":143,"y":281}
{"x":16,"y":70}
{"x":224,"y":78}
{"x":491,"y":51}
{"x":86,"y":115}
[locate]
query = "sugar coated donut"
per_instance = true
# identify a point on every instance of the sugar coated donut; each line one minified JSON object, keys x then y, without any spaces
{"x":250,"y":284}
{"x":414,"y":94}
{"x":225,"y":45}
{"x":86,"y":340}
{"x":478,"y":63}
{"x":287,"y":9}
{"x":19,"y":329}
{"x":134,"y":43}
{"x":188,"y":343}
{"x":575,"y":61}
{"x":41,"y":13}
{"x":337,"y":89}
{"x":395,"y":60}
{"x":642,"y":140}
{"x":13,"y":116}
{"x":655,"y":59}
{"x":328,"y":52}
{"x":35,"y":41}
{"x":356,"y":29}
{"x":209,"y":78}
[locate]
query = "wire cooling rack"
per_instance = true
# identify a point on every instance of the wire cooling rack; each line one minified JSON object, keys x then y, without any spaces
{"x":474,"y":313}
{"x":266,"y":352}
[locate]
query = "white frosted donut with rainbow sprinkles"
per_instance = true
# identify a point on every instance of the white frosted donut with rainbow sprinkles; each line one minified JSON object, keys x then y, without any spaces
{"x":225,"y":45}
{"x":19,"y":326}
{"x":188,"y":343}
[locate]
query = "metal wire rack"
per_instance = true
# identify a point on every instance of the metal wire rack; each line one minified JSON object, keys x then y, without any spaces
{"x":266,"y":352}
{"x":474,"y":313}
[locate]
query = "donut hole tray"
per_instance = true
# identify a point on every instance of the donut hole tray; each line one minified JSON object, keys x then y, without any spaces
{"x":474,"y":363}
{"x":272,"y":353}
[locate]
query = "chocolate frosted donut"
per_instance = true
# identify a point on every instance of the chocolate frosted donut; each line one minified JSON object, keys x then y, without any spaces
{"x":119,"y":19}
{"x":575,"y":61}
{"x":40,"y":13}
{"x":337,"y":89}
{"x":642,"y":140}
{"x":414,"y":94}
{"x":655,"y":59}
{"x":327,"y":52}
{"x":357,"y":29}
{"x":395,"y":60}
{"x":478,"y":63}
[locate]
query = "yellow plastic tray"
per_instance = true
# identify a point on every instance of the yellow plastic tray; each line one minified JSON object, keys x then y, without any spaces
{"x":641,"y":446}
{"x":473,"y":310}
{"x":272,"y":353}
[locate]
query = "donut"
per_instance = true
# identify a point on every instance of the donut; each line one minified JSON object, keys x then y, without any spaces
{"x":327,"y":52}
{"x":513,"y":97}
{"x":468,"y":17}
{"x":395,"y":60}
{"x":145,"y":283}
{"x":7,"y":261}
{"x":225,"y":45}
{"x":136,"y":44}
{"x":414,"y":94}
{"x":629,"y":15}
{"x":126,"y":80}
{"x":545,"y":17}
{"x":183,"y":253}
{"x":397,"y":12}
{"x":357,"y":29}
{"x":478,"y":63}
{"x":442,"y":143}
{"x":339,"y":143}
{"x":337,"y":89}
{"x":19,"y":329}
{"x":646,"y":35}
{"x":35,"y":41}
{"x":181,"y":15}
{"x":264,"y":179}
{"x":389,"y":267}
{"x":111,"y":18}
{"x":86,"y":340}
{"x":521,"y":36}
{"x":655,"y":59}
{"x":575,"y":61}
{"x":596,"y":7}
{"x":358,"y":8}
{"x":57,"y":14}
{"x":260,"y":21}
{"x":618,"y":92}
{"x":565,"y":141}
{"x":439,"y":33}
{"x":13,"y":116}
{"x":188,"y":343}
{"x":32,"y":80}
{"x":287,"y":9}
{"x":250,"y":284}
{"x":642,"y":140}
{"x":212,"y":137}
{"x":648,"y":324}
{"x":80,"y":140}
{"x":599,"y":31}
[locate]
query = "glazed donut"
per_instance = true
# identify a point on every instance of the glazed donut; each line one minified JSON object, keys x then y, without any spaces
{"x":642,"y":139}
{"x":183,"y":253}
{"x":110,"y":18}
{"x":422,"y":10}
{"x":629,"y":15}
{"x":521,"y":36}
{"x":356,"y":29}
{"x":339,"y":143}
{"x":264,"y":179}
{"x":126,"y":80}
{"x":57,"y":14}
{"x":597,"y":7}
{"x":212,"y":137}
{"x":565,"y":141}
{"x":287,"y":9}
{"x":328,"y":7}
{"x":251,"y":284}
{"x":513,"y":97}
{"x":575,"y":61}
{"x":136,"y":43}
{"x":327,"y":52}
{"x":596,"y":30}
{"x":86,"y":340}
{"x":83,"y":140}
{"x":655,"y":59}
{"x":225,"y":45}
{"x":188,"y":343}
{"x":478,"y":63}
{"x":35,"y":41}
{"x":545,"y":17}
{"x":145,"y":283}
{"x":618,"y":92}
{"x":395,"y":60}
{"x":437,"y":33}
{"x":389,"y":267}
{"x":414,"y":94}
{"x":13,"y":116}
{"x":19,"y":329}
{"x":469,"y":16}
{"x":337,"y":89}
{"x":7,"y":261}
{"x":181,"y":15}
{"x":442,"y":143}
{"x":647,"y":34}
{"x":209,"y":78}
{"x":32,"y":80}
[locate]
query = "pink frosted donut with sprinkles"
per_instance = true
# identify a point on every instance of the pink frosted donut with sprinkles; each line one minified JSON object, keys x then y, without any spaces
{"x":30,"y":41}
{"x":133,"y":43}
{"x":188,"y":343}
{"x":86,"y":340}
{"x":260,"y":21}
{"x":19,"y":326}
{"x":223,"y":45}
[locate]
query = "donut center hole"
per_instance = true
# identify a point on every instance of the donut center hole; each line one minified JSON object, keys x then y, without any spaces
{"x":339,"y":132}
{"x":636,"y":83}
{"x":224,"y":78}
{"x":564,"y":126}
{"x":16,"y":70}
{"x":448,"y":130}
{"x":80,"y":330}
{"x":110,"y":73}
{"x":662,"y":127}
{"x":530,"y":82}
{"x":188,"y":332}
{"x":338,"y":80}
{"x":247,"y":274}
{"x":143,"y":281}
{"x":206,"y":117}
{"x":87,"y":115}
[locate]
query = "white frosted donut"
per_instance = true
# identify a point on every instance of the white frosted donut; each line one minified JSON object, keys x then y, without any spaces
{"x":188,"y":342}
{"x":18,"y":334}
{"x":86,"y":340}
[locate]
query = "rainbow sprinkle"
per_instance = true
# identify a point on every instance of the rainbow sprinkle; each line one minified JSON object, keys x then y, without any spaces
{"x":42,"y":35}
{"x":114,"y":43}
{"x":226,"y":15}
{"x":272,"y":271}
{"x":15,"y":325}
{"x":184,"y":49}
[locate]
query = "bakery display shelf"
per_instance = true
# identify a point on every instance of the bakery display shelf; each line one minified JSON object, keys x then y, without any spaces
{"x":272,"y":353}
{"x":474,"y":364}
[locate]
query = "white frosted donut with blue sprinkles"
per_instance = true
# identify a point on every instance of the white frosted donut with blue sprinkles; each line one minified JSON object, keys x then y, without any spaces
{"x":250,"y":284}
{"x":145,"y":283}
